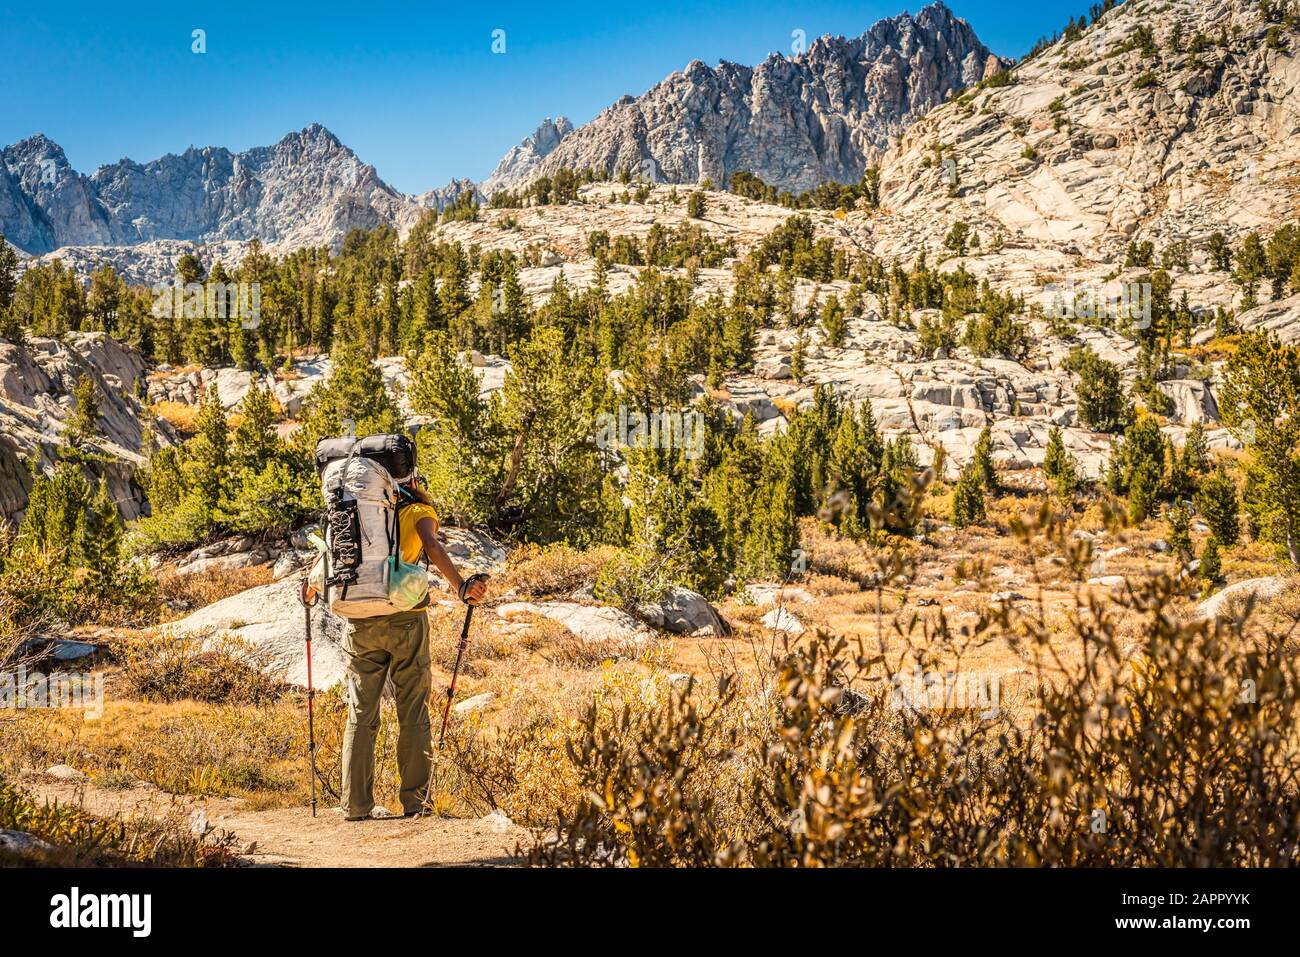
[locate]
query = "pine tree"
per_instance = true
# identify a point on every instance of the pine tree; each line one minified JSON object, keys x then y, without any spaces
{"x":968,"y":497}
{"x":1216,"y":500}
{"x":255,"y":442}
{"x":101,"y":540}
{"x":1059,"y":467}
{"x":797,"y":363}
{"x":1102,"y":405}
{"x":1196,"y":453}
{"x":834,"y":322}
{"x":1180,"y":539}
{"x":354,"y":393}
{"x":983,"y":461}
{"x":56,"y":510}
{"x":1260,"y":401}
{"x":207,"y":454}
{"x":10,"y":326}
{"x":83,"y":423}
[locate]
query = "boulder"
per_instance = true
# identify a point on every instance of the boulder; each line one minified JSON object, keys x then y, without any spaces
{"x":1192,"y":399}
{"x":270,"y":619}
{"x":292,"y":561}
{"x":22,"y":844}
{"x":1220,"y":604}
{"x":471,"y":550}
{"x":684,"y":612}
{"x":773,"y":367}
{"x":589,"y":622}
{"x":65,"y":772}
{"x":223,"y":563}
{"x":763,"y":594}
{"x":475,"y":703}
{"x":778,"y":619}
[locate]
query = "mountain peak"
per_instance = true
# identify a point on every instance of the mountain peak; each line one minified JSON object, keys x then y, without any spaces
{"x":308,"y":188}
{"x":824,"y":114}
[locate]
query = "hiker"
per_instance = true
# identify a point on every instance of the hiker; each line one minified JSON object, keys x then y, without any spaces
{"x":398,"y":645}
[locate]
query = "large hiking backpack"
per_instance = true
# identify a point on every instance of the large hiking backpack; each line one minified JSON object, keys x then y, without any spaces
{"x":359,"y":482}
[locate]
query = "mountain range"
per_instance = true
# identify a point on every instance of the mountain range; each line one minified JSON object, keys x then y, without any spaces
{"x":824,"y":114}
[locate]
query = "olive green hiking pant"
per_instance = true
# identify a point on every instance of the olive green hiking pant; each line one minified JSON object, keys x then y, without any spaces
{"x":377,"y":647}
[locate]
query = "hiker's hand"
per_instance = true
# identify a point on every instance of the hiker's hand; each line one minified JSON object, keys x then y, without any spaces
{"x":475,"y":589}
{"x":307,"y":593}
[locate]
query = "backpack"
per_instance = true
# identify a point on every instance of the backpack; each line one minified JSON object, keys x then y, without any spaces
{"x":364,"y":573}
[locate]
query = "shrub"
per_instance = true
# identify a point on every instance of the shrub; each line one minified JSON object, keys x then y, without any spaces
{"x":1211,"y":567}
{"x":77,"y":838}
{"x":217,"y":670}
{"x":1154,"y":756}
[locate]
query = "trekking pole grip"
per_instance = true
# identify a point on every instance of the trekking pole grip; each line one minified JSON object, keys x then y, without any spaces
{"x":464,"y":585}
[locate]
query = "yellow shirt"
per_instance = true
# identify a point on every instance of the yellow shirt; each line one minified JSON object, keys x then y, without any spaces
{"x":410,"y":516}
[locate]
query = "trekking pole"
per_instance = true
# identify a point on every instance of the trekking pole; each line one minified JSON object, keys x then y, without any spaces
{"x":460,"y":652}
{"x":311,"y":692}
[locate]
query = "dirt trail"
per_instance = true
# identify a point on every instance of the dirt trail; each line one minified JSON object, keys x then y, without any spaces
{"x":290,"y":837}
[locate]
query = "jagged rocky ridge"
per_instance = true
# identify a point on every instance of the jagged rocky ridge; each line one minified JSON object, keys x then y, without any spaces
{"x":822,"y":115}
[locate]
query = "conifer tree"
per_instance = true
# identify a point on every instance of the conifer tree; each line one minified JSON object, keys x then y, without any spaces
{"x":834,"y":322}
{"x":1059,"y":467}
{"x":207,"y":454}
{"x":983,"y":460}
{"x":1216,"y":500}
{"x":56,"y":510}
{"x":101,"y":541}
{"x":1260,"y":401}
{"x":1179,"y":538}
{"x":83,"y":423}
{"x":968,"y":497}
{"x":10,"y":327}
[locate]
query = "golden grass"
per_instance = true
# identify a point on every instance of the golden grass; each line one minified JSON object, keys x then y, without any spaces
{"x":181,"y":415}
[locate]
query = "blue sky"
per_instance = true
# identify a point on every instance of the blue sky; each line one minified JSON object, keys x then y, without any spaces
{"x":414,"y":89}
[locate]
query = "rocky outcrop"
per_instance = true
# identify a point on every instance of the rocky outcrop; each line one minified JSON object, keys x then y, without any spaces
{"x":1101,"y":139}
{"x":823,"y":114}
{"x":269,"y":618}
{"x":37,"y":380}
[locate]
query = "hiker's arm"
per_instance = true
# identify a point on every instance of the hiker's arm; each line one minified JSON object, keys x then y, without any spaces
{"x":428,"y":530}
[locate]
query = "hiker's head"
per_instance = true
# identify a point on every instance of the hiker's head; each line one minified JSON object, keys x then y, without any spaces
{"x":414,"y":487}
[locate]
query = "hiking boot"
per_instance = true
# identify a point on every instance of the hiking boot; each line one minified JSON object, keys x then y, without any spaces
{"x":377,"y":813}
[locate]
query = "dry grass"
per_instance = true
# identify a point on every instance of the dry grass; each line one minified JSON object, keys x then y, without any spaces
{"x":181,"y":415}
{"x":180,"y":594}
{"x":553,"y":571}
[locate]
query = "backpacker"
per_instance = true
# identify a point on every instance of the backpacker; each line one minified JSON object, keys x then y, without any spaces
{"x":359,"y":480}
